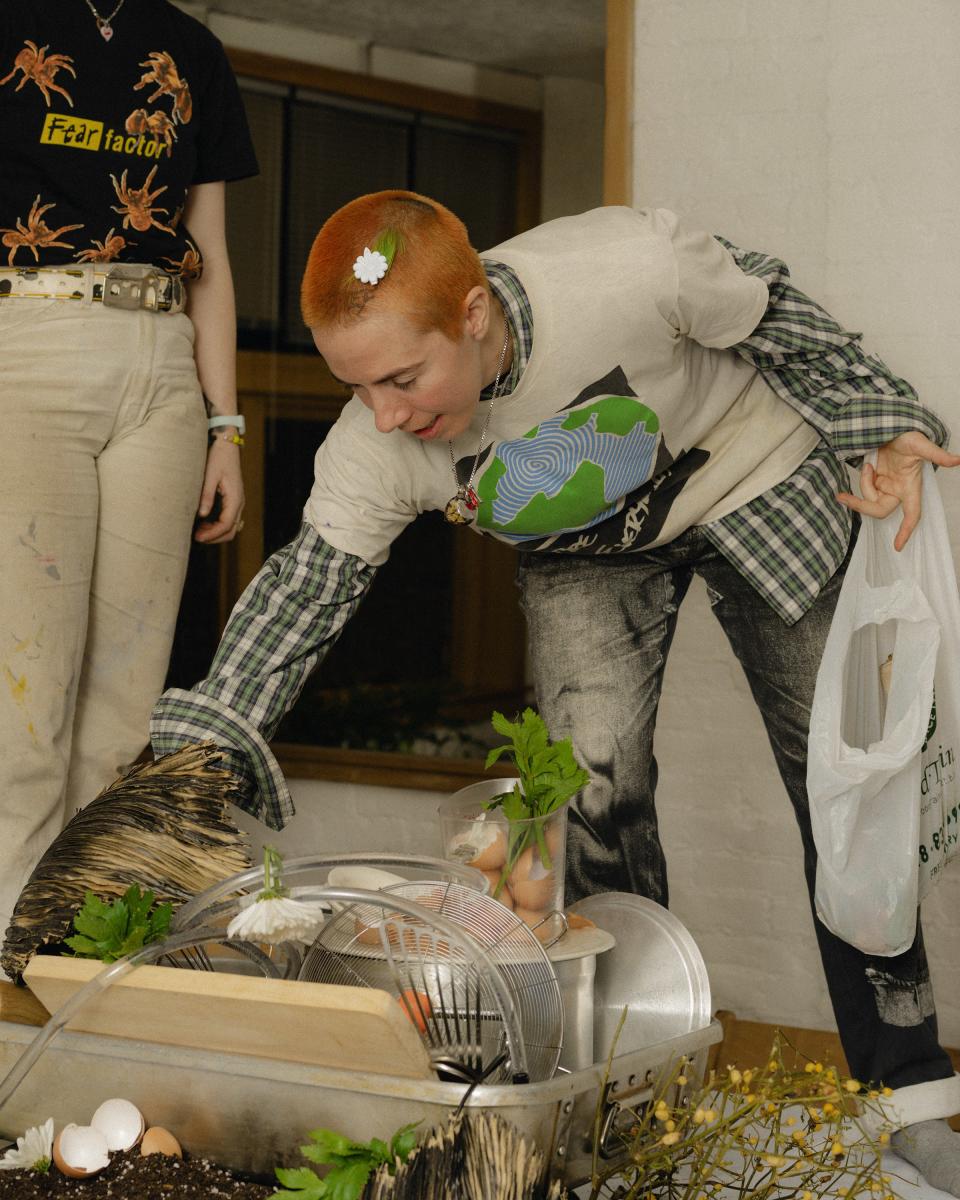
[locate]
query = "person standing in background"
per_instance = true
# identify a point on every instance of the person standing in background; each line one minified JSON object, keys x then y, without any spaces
{"x":119,"y":127}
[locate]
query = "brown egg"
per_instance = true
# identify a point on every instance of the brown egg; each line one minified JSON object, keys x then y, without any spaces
{"x":542,"y":924}
{"x":493,"y":877}
{"x":368,"y":935}
{"x":414,"y":939}
{"x":80,"y":1150}
{"x":158,"y":1140}
{"x":535,"y":894}
{"x":531,"y":885}
{"x":522,"y":868}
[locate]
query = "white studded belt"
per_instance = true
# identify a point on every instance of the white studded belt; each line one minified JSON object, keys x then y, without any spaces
{"x":127,"y":285}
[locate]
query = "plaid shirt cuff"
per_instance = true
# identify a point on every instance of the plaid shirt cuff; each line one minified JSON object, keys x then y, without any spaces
{"x":182,"y":717}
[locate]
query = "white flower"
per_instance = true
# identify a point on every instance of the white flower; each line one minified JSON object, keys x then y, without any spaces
{"x":277,"y":919}
{"x":32,"y":1152}
{"x":371,"y":266}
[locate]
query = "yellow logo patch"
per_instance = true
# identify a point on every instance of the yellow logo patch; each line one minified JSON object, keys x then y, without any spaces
{"x":79,"y":132}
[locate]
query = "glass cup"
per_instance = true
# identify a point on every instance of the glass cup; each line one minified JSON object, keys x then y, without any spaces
{"x":523,"y":860}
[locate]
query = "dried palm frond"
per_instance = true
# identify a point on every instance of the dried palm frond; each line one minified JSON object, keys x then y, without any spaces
{"x":162,"y":825}
{"x":476,"y":1156}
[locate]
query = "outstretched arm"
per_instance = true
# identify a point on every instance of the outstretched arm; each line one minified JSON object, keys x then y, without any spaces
{"x":287,"y":619}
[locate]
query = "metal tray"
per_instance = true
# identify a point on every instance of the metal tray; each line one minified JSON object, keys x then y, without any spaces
{"x":251,"y":1114}
{"x":655,"y":971}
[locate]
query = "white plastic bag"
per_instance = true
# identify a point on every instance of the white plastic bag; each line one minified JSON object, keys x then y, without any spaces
{"x":882,"y":768}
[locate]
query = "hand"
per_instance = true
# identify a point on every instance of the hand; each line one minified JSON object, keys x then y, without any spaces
{"x":898,"y":480}
{"x":222,"y":478}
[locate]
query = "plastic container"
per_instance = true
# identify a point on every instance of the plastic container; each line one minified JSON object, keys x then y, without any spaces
{"x":523,"y":860}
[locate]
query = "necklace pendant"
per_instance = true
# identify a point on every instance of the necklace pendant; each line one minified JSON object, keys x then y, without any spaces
{"x":106,"y":30}
{"x":462,"y":508}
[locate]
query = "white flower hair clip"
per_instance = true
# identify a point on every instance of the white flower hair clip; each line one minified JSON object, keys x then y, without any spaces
{"x":373,"y":264}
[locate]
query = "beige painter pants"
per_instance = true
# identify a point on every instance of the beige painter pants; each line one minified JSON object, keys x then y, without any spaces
{"x":102,"y":450}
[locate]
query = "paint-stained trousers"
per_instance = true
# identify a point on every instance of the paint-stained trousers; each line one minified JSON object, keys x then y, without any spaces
{"x":600,"y":631}
{"x":102,"y":453}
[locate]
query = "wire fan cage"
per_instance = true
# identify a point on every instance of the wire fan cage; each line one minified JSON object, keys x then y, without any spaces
{"x":471,"y":976}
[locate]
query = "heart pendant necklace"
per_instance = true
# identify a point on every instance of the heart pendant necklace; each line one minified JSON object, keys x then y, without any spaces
{"x":104,"y":23}
{"x":462,"y":507}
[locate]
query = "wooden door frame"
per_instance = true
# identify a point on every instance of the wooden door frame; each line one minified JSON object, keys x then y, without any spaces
{"x":618,"y":104}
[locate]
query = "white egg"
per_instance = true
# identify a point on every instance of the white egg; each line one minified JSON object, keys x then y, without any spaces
{"x":80,"y":1150}
{"x":120,"y":1122}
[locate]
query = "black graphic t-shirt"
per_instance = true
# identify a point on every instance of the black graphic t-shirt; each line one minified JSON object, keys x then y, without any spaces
{"x":100,"y":139}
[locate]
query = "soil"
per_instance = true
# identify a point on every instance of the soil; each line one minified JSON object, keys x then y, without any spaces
{"x":132,"y":1176}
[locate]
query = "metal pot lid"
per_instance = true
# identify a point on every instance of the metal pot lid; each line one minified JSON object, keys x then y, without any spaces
{"x":655,"y":971}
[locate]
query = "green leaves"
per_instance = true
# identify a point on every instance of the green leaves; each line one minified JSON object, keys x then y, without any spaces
{"x":112,"y":931}
{"x":351,"y":1164}
{"x":549,"y":776}
{"x":303,"y":1184}
{"x":549,"y":772}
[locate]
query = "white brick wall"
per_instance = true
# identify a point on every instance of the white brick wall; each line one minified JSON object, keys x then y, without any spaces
{"x":823,"y":132}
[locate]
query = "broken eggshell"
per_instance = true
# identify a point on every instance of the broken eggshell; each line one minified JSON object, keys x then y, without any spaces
{"x":120,"y":1122}
{"x":80,"y":1150}
{"x":483,"y":844}
{"x":158,"y":1140}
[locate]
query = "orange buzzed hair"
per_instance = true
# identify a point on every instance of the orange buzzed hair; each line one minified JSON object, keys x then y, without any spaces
{"x":433,"y":269}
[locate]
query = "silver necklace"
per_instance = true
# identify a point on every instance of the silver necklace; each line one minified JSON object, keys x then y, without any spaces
{"x":462,"y":507}
{"x":103,"y":23}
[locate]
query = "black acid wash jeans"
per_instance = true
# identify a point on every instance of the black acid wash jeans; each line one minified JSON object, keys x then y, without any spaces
{"x":600,"y":629}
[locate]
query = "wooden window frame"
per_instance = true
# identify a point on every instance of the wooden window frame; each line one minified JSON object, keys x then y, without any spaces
{"x":294,"y":385}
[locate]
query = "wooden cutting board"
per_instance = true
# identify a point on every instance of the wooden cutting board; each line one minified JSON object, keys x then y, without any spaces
{"x":353,"y":1028}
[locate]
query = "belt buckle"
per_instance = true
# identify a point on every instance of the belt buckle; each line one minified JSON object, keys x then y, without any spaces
{"x":150,"y":290}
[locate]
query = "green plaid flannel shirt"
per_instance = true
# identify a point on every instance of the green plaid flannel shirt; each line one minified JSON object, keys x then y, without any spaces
{"x":787,"y":542}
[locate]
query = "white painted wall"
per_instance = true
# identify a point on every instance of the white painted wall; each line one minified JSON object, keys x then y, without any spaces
{"x":824,"y":132}
{"x":572,"y":177}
